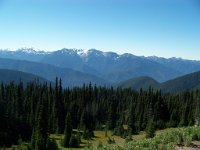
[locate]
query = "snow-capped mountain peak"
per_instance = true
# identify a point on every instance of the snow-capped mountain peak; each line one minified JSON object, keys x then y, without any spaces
{"x":31,"y":51}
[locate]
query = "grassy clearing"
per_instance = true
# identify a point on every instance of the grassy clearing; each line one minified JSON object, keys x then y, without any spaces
{"x":100,"y":137}
{"x":167,"y":139}
{"x":164,"y":140}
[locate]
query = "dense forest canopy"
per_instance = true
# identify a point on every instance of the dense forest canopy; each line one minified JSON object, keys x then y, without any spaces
{"x":30,"y":113}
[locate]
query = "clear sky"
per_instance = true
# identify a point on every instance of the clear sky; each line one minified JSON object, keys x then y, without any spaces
{"x":141,"y":27}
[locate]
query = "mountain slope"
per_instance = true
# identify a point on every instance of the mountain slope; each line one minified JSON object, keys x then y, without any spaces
{"x":179,"y":64}
{"x":69,"y":77}
{"x":7,"y":76}
{"x":139,"y":82}
{"x":184,"y":83}
{"x":118,"y":68}
{"x":68,"y":58}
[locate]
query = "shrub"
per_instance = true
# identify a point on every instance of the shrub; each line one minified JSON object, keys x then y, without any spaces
{"x":128,"y":139}
{"x":150,"y":130}
{"x":74,"y":142}
{"x":100,"y":145}
{"x":119,"y":130}
{"x":88,"y":134}
{"x":51,"y":144}
{"x":111,"y":141}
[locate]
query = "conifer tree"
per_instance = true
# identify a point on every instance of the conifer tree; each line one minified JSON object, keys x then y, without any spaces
{"x":112,"y":116}
{"x":40,"y":135}
{"x":150,"y":130}
{"x":131,"y":119}
{"x":59,"y":114}
{"x":68,"y":131}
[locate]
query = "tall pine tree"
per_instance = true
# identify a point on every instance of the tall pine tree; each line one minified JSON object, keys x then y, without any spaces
{"x":68,"y":131}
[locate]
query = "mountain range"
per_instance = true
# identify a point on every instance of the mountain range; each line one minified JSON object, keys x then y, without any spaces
{"x":76,"y":66}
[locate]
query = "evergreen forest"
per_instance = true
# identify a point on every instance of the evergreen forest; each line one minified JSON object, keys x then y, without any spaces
{"x":31,"y":113}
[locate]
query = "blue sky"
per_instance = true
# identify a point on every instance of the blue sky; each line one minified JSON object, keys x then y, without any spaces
{"x":142,"y":27}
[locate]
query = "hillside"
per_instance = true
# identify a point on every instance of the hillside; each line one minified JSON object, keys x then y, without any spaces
{"x":183,"y":83}
{"x":187,"y":82}
{"x":69,"y":77}
{"x":7,"y":76}
{"x":140,"y":82}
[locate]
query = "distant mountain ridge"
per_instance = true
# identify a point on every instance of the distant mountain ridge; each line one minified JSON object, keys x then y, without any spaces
{"x":7,"y":76}
{"x":187,"y":82}
{"x":108,"y":66}
{"x":184,"y":83}
{"x":139,"y":82}
{"x":69,"y":77}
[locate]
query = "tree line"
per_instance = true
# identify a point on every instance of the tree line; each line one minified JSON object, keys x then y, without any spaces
{"x":31,"y":113}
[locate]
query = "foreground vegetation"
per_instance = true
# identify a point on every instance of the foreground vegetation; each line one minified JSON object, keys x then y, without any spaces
{"x":164,"y":141}
{"x":167,"y":139}
{"x":30,"y":114}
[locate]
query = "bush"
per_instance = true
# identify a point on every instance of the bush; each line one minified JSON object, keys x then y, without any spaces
{"x":128,"y":139}
{"x":111,"y":141}
{"x":88,"y":134}
{"x":51,"y":144}
{"x":119,"y":131}
{"x":171,"y":124}
{"x":74,"y":142}
{"x":100,"y":145}
{"x":160,"y":124}
{"x":164,"y":141}
{"x":150,"y":130}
